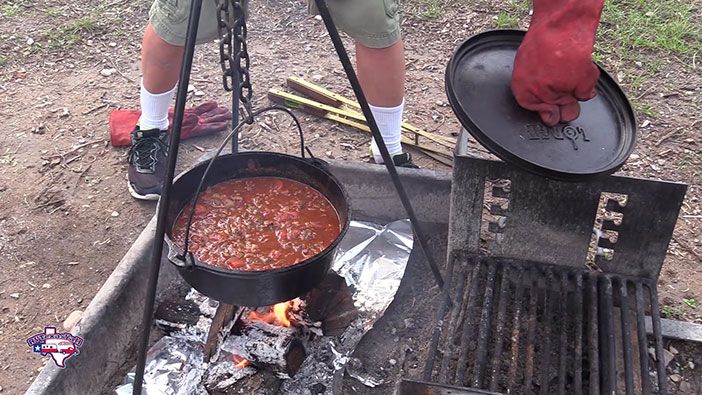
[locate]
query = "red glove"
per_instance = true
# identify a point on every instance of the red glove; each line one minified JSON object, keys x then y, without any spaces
{"x":553,"y":69}
{"x":204,"y":119}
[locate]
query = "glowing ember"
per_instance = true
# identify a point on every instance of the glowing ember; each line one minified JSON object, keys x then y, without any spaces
{"x":241,"y":362}
{"x":278,"y":315}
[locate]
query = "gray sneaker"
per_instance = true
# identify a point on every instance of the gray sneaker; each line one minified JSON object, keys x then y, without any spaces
{"x":147,"y":163}
{"x":404,"y":160}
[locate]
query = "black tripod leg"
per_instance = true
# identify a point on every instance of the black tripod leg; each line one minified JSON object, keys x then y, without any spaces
{"x":353,"y":79}
{"x":174,"y":142}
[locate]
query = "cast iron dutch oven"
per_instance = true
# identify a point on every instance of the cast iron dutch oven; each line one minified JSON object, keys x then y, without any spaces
{"x":264,"y":288}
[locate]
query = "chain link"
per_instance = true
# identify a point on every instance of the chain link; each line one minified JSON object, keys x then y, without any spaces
{"x":233,"y":52}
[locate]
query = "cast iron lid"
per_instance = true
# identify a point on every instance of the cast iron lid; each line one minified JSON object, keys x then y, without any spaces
{"x":478,"y":87}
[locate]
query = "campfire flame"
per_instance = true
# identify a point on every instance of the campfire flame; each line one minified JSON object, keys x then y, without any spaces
{"x":278,"y":315}
{"x":241,"y":362}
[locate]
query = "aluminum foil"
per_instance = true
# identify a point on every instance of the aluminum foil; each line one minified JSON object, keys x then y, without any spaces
{"x":372,"y":260}
{"x":173,"y":366}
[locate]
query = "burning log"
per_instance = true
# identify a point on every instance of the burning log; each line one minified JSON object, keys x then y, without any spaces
{"x":224,"y":315}
{"x":270,"y":347}
{"x":269,"y":340}
{"x":332,"y":304}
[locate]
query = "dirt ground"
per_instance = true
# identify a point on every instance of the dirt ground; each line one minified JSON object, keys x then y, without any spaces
{"x":66,"y":217}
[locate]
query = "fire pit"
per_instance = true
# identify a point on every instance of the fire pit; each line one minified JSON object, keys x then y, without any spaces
{"x":507,"y":265}
{"x":296,"y":346}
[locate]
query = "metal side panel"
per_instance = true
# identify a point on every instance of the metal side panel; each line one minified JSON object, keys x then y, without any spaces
{"x":551,"y":221}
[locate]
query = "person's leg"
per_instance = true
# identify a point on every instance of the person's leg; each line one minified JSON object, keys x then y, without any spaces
{"x":161,"y":57}
{"x":160,"y":67}
{"x":381,"y":72}
{"x":375,"y":27}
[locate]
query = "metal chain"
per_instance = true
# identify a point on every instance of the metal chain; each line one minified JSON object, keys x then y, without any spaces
{"x":233,"y":52}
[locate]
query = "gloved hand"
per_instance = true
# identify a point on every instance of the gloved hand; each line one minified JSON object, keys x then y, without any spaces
{"x":553,"y":69}
{"x":197,"y":121}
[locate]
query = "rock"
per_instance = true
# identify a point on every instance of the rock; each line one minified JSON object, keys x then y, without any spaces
{"x":115,"y":214}
{"x":30,"y":41}
{"x":72,"y":320}
{"x":15,"y":295}
{"x":691,"y":365}
{"x":645,"y":123}
{"x":392,"y":362}
{"x":673,"y":350}
{"x":107,"y":72}
{"x":318,"y":17}
{"x":199,"y":93}
{"x":46,"y":286}
{"x":620,"y":77}
{"x":676,"y":378}
{"x":634,"y":156}
{"x":112,"y":44}
{"x":686,"y":388}
{"x":667,"y":357}
{"x":409,"y":323}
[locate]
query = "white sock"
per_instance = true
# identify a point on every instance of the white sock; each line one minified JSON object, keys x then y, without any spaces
{"x":389,"y":120}
{"x":154,"y":109}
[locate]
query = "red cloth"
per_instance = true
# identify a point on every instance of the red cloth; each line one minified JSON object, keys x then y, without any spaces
{"x":201,"y":120}
{"x":553,"y":69}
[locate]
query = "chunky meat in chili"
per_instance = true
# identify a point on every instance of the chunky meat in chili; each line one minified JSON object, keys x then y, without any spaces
{"x":257,"y":224}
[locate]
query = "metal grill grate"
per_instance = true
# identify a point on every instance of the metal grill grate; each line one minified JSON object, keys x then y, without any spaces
{"x":518,"y":327}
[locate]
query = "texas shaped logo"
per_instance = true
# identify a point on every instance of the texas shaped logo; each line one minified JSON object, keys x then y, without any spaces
{"x":60,"y":346}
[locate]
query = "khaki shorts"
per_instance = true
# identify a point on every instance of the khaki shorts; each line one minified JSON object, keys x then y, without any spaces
{"x":373,"y":23}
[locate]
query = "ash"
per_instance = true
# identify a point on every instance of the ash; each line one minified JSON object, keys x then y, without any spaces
{"x":368,"y":267}
{"x":324,"y":366}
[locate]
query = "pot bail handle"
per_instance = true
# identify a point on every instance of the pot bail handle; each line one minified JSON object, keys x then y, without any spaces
{"x":187,"y":256}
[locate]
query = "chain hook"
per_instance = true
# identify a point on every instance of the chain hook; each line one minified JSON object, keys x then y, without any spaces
{"x":233,"y":35}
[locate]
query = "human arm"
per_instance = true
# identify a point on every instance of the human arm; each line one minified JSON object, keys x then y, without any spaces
{"x":553,"y":69}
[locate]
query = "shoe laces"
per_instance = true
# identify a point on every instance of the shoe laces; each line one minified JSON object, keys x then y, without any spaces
{"x":144,"y":150}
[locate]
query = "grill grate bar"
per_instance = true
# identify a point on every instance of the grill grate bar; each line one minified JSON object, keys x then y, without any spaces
{"x":455,"y":314}
{"x":626,"y":331}
{"x":643,"y":340}
{"x":445,"y":305}
{"x":655,"y":315}
{"x":608,"y":355}
{"x":467,"y":325}
{"x":548,"y":314}
{"x":564,"y":335}
{"x":499,"y":337}
{"x":516,"y":335}
{"x":578,"y":361}
{"x":593,"y":343}
{"x":483,"y":335}
{"x":531,"y":333}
